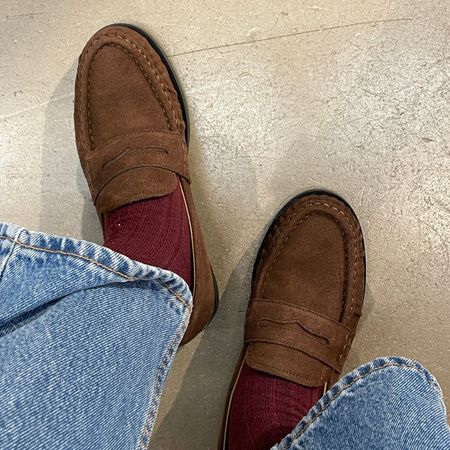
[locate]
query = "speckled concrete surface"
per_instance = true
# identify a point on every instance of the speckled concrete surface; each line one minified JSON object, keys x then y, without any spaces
{"x":351,"y":96}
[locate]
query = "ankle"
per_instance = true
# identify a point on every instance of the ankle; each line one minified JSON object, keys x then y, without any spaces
{"x":154,"y":231}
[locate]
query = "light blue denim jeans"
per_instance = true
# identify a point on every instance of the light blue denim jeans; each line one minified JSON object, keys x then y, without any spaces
{"x":389,"y":403}
{"x":87,"y":337}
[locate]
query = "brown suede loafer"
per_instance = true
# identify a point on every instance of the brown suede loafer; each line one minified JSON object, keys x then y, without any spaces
{"x":132,"y":135}
{"x":307,"y":294}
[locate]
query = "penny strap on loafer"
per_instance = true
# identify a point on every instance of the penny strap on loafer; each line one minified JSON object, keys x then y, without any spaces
{"x":154,"y":157}
{"x":306,"y":297}
{"x":296,"y":329}
{"x":132,"y":131}
{"x":307,"y":292}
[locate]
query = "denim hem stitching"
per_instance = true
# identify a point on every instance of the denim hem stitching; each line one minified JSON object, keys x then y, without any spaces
{"x":93,"y":261}
{"x":8,"y":255}
{"x":324,"y":407}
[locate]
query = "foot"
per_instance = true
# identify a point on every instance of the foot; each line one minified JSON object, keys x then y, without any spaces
{"x":306,"y":300}
{"x":130,"y":123}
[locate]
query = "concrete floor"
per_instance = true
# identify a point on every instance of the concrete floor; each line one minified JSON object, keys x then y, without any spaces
{"x":351,"y":96}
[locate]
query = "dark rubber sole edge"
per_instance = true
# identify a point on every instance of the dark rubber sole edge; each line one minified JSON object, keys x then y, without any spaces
{"x":173,"y":77}
{"x":216,"y":299}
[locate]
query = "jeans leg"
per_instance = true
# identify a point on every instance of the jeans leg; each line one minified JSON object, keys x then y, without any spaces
{"x":87,"y":337}
{"x":390,"y":403}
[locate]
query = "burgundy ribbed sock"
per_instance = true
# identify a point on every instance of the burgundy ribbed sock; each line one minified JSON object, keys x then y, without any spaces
{"x":154,"y":231}
{"x":265,"y":409}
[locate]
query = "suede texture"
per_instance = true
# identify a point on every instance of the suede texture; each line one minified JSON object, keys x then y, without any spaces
{"x":307,"y":292}
{"x":307,"y":295}
{"x":131,"y":141}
